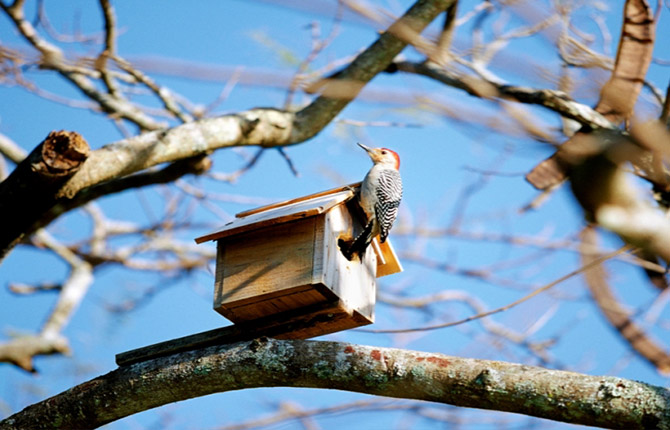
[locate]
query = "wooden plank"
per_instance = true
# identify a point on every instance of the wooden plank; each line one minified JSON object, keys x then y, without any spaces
{"x":325,"y":322}
{"x":266,"y":261}
{"x":251,"y":225}
{"x":270,"y":304}
{"x":280,"y":215}
{"x":219,"y":271}
{"x":393,"y":264}
{"x":244,"y":214}
{"x":308,"y":322}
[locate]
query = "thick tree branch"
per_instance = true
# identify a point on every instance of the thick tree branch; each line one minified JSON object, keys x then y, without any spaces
{"x":558,"y":395}
{"x":28,"y":192}
{"x":33,"y":209}
{"x":263,"y":127}
{"x":188,"y":166}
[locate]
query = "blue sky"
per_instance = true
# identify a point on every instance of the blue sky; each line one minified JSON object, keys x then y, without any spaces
{"x":437,"y":155}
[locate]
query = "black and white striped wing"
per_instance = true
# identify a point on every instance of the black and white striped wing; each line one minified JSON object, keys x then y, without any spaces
{"x":389,"y":194}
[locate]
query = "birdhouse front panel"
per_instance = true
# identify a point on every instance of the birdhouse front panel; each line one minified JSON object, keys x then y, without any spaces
{"x":267,"y":271}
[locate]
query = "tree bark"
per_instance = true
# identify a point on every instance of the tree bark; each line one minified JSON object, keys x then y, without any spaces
{"x":28,"y":192}
{"x":552,"y":394}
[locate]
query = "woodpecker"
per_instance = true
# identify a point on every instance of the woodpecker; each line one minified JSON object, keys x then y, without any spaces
{"x":379,"y":197}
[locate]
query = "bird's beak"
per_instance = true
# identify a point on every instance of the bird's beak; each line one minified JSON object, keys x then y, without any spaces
{"x":369,"y":150}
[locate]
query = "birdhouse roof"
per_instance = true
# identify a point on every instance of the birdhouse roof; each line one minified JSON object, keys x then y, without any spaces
{"x":277,"y":213}
{"x":304,"y":207}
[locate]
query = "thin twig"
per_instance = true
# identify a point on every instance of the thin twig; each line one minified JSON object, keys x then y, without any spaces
{"x":289,"y":162}
{"x":110,"y":48}
{"x":318,"y":46}
{"x":563,"y":278}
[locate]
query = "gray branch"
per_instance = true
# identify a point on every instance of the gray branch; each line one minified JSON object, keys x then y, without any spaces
{"x":374,"y":60}
{"x":554,"y":100}
{"x":552,"y":394}
{"x":54,"y":58}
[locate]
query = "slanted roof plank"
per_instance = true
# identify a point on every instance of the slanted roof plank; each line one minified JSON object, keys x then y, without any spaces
{"x":281,"y":213}
{"x":349,"y":187}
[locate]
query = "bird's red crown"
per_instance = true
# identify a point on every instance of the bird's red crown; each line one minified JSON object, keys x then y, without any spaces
{"x":395,"y":155}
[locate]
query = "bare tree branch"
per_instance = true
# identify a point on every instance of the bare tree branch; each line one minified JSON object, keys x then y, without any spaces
{"x":374,"y":60}
{"x":554,"y":100}
{"x":263,"y":127}
{"x":28,"y":191}
{"x":618,"y":96}
{"x":618,"y":317}
{"x":442,"y":55}
{"x":527,"y":297}
{"x":558,"y":395}
{"x":11,"y":150}
{"x":20,"y":351}
{"x":54,"y":58}
{"x":162,"y":93}
{"x":110,"y":47}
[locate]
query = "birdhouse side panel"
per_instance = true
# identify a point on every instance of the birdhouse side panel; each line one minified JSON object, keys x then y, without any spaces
{"x":354,"y":282}
{"x":265,"y":264}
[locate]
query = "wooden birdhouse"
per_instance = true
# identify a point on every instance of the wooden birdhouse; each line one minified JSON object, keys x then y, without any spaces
{"x":283,"y":262}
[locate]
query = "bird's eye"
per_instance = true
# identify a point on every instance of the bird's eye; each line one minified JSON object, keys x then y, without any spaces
{"x":384,"y":152}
